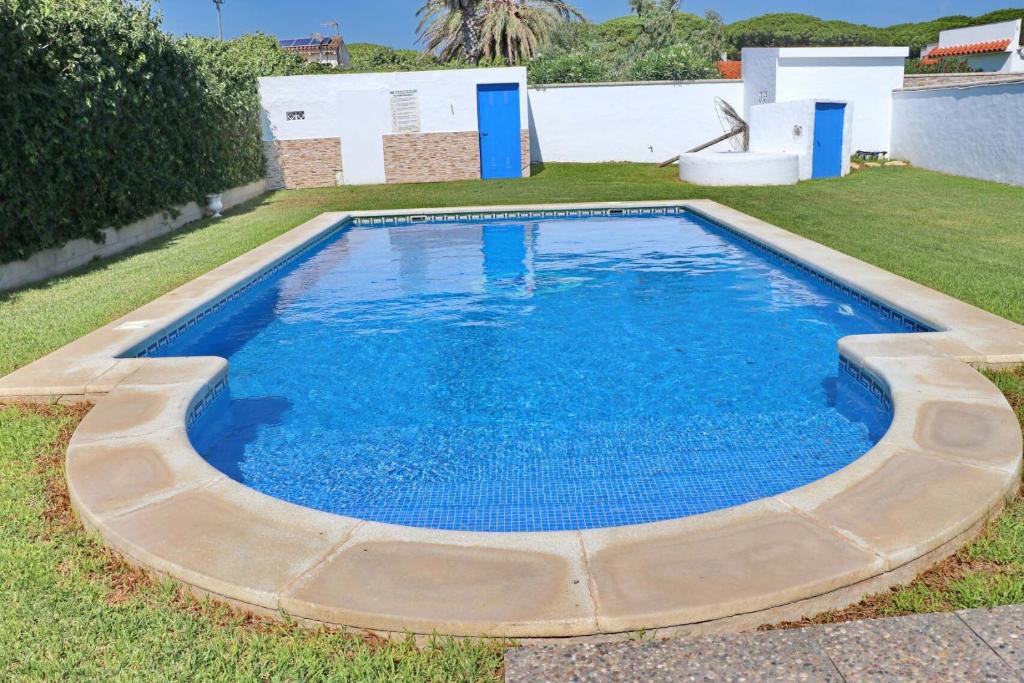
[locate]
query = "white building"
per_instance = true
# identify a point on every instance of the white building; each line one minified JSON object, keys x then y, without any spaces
{"x":416,"y":126}
{"x":991,"y":47}
{"x":330,"y":51}
{"x":863,"y":77}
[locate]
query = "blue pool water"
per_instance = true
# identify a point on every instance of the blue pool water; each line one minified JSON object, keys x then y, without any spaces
{"x":542,"y":374}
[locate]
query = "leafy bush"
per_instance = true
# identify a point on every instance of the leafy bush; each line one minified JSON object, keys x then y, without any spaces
{"x":371,"y":57}
{"x":948,"y":65}
{"x":108,"y":120}
{"x":568,"y":68}
{"x":675,"y":63}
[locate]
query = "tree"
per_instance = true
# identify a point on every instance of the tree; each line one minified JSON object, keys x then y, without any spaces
{"x":508,"y":31}
{"x":657,"y":23}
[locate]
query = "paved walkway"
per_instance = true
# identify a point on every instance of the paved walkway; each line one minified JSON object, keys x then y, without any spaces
{"x":973,"y":645}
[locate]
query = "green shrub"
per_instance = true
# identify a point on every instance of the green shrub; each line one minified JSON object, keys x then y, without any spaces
{"x":675,"y":63}
{"x":371,"y":57}
{"x":568,"y":68}
{"x":107,"y":119}
{"x":797,"y":30}
{"x":947,"y":65}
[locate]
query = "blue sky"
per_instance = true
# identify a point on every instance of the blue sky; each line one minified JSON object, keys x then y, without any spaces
{"x":393,"y":22}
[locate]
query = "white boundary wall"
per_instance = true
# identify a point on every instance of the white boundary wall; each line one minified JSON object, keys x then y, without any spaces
{"x":645,"y":122}
{"x":79,"y":252}
{"x":975,"y":131}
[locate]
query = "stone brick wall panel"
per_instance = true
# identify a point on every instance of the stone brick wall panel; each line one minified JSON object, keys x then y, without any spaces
{"x":315,"y":162}
{"x":431,"y":157}
{"x":524,"y":144}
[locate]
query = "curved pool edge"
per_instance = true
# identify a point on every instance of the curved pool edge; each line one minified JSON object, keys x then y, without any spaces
{"x":949,"y":461}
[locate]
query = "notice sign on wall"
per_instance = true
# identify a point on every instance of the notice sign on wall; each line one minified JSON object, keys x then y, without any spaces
{"x":405,"y":111}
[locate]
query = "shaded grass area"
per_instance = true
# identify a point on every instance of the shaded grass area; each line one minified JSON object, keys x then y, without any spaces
{"x":73,"y":611}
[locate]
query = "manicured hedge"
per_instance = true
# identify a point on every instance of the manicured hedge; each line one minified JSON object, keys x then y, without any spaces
{"x":106,"y":119}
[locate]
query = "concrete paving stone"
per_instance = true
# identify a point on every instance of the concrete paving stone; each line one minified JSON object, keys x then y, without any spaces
{"x":1002,"y":629}
{"x":776,"y":656}
{"x":752,"y":564}
{"x":913,"y":503}
{"x":978,"y":432}
{"x":228,"y":540}
{"x":107,"y":475}
{"x":924,"y":647}
{"x":456,"y":589}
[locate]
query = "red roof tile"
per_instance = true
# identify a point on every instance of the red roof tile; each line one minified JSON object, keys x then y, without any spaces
{"x":731,"y":69}
{"x":970,"y":49}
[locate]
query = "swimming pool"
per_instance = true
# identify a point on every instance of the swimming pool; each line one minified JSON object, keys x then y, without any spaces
{"x":536,"y":374}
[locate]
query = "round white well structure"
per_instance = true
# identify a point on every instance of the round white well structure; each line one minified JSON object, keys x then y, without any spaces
{"x":739,"y":168}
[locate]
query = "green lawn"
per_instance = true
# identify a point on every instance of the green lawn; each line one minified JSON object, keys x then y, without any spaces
{"x":71,"y":611}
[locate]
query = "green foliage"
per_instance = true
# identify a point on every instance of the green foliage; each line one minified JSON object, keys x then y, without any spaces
{"x":620,"y":49}
{"x":657,"y":23}
{"x":504,"y":32}
{"x":799,"y":30}
{"x":790,"y":30}
{"x":948,"y":65}
{"x":108,"y":119}
{"x":673,"y":63}
{"x":573,"y":67}
{"x":370,"y":57}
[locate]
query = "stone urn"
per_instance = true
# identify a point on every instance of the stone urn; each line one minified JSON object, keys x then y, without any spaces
{"x":214,"y":205}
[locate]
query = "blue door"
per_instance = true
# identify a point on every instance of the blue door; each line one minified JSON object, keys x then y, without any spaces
{"x":497,"y":107}
{"x":829,"y":118}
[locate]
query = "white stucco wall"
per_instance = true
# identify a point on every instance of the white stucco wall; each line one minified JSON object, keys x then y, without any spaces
{"x":862,"y":76}
{"x":357,"y":109}
{"x":760,"y":72}
{"x":975,"y":131}
{"x":77,"y":253}
{"x":981,"y":34}
{"x":645,"y":122}
{"x":772,"y":129}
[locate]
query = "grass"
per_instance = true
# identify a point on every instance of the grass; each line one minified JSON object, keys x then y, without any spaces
{"x":957,"y":235}
{"x":73,"y":611}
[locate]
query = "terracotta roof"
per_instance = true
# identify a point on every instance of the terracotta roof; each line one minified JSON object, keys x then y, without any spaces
{"x":730,"y":68}
{"x":970,"y":49}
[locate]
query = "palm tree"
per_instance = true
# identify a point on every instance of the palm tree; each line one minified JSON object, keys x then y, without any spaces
{"x":507,"y":30}
{"x":450,"y":28}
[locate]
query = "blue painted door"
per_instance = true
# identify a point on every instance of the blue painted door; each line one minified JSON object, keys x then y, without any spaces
{"x":498,"y":117}
{"x":828,"y":140}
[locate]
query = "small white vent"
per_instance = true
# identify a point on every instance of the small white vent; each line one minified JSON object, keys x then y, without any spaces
{"x":295,"y":116}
